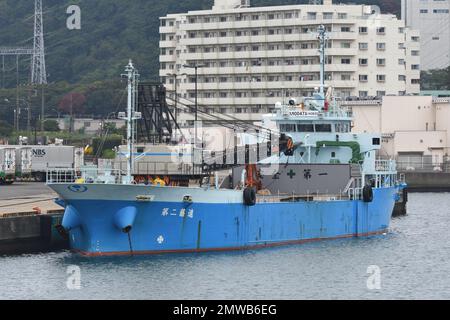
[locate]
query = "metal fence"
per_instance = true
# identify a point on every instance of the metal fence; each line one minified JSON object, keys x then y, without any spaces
{"x":423,"y":164}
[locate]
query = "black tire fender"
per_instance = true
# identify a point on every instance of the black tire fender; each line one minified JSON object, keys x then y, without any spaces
{"x":367,"y":194}
{"x":249,"y":196}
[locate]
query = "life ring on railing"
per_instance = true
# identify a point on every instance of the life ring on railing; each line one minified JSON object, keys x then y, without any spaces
{"x":159,"y":182}
{"x":249,"y":196}
{"x":367,"y":193}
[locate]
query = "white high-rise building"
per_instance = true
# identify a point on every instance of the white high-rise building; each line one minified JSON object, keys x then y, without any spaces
{"x":249,"y":58}
{"x":432,"y":19}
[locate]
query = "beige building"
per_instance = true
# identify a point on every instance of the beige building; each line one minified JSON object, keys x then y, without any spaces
{"x":410,"y":126}
{"x":432,"y":19}
{"x":252,"y":57}
{"x":87,"y":125}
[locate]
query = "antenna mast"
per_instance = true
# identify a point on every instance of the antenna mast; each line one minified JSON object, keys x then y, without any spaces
{"x":131,"y":115}
{"x":322,"y":36}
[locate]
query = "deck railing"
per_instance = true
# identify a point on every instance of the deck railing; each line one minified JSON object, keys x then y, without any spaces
{"x":85,"y":175}
{"x":385,"y":166}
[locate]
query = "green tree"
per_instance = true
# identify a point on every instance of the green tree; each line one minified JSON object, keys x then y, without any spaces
{"x":5,"y":129}
{"x":51,"y":125}
{"x":438,"y":79}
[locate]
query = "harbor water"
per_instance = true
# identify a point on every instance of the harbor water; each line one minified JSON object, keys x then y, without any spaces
{"x":410,"y":262}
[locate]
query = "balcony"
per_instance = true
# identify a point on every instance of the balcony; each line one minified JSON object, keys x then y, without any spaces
{"x":168,"y":44}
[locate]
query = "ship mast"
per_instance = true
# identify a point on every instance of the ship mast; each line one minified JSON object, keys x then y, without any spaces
{"x":322,"y":36}
{"x":131,"y":115}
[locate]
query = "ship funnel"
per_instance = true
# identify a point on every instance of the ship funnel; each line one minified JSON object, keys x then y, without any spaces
{"x":71,"y":219}
{"x":124,"y":218}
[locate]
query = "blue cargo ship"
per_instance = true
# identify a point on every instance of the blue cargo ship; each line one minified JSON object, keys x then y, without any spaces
{"x":324,"y":182}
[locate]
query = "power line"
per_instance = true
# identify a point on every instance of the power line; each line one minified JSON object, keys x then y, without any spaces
{"x":38,"y":70}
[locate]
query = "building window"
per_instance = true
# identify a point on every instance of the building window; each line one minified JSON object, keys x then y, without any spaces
{"x":363,"y":46}
{"x":362,"y":29}
{"x":381,"y":62}
{"x":363,"y":93}
{"x":381,"y":30}
{"x":381,"y":77}
{"x":415,"y":52}
{"x":311,"y":15}
{"x":345,"y":61}
{"x":381,"y":93}
{"x":440,"y":11}
{"x":415,"y":67}
{"x":363,"y":62}
{"x":327,"y":15}
{"x":381,"y":46}
{"x":401,"y":77}
{"x":345,"y":29}
{"x":363,"y":77}
{"x":342,"y":15}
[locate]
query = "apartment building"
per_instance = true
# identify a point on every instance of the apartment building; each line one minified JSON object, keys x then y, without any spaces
{"x":432,"y":19}
{"x":249,"y":58}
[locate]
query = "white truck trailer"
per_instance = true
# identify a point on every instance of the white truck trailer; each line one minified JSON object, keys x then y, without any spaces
{"x":23,"y":162}
{"x":7,"y":164}
{"x":54,"y":156}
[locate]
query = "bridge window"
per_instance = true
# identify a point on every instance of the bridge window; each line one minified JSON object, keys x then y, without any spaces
{"x":342,"y":127}
{"x":287,"y":127}
{"x":323,"y":127}
{"x":305,"y":128}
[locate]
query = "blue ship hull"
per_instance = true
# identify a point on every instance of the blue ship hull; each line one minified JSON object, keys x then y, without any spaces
{"x":175,"y":226}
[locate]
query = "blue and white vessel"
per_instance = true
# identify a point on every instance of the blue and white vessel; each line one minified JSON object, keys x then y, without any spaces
{"x":324,"y":183}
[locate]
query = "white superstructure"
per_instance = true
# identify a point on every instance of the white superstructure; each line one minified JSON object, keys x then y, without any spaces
{"x":250,"y":58}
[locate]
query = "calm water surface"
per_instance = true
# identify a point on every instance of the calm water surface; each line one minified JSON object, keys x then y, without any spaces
{"x":413,"y":259}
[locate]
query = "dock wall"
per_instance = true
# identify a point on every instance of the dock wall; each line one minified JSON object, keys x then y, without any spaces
{"x":428,"y":181}
{"x":31,"y":233}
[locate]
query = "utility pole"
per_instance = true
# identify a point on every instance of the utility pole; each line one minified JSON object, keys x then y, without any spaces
{"x":195,"y":66}
{"x":42,"y":107}
{"x":16,"y":119}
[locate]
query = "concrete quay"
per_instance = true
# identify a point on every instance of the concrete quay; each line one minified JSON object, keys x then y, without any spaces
{"x":28,"y":217}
